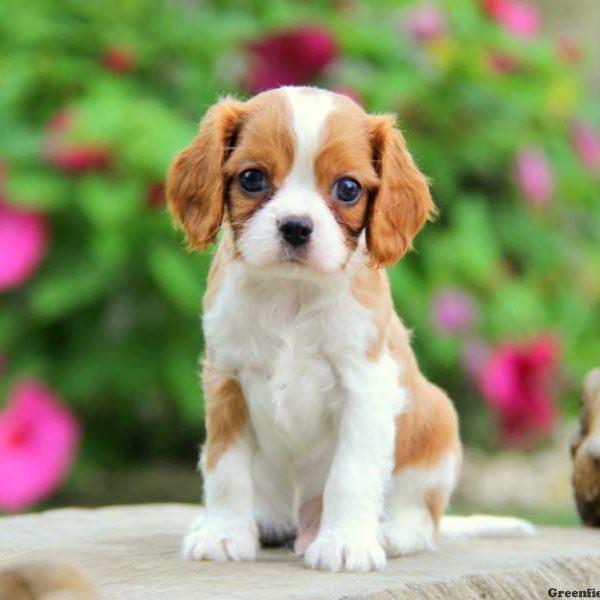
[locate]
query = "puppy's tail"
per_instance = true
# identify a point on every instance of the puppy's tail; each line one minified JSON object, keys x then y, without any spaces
{"x":484,"y":526}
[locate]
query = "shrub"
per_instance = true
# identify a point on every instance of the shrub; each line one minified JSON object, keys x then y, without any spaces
{"x":98,"y":97}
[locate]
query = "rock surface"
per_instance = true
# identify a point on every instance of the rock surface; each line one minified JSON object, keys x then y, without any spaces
{"x":132,"y":553}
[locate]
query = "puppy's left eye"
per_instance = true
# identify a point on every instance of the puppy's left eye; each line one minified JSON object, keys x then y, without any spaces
{"x":347,"y":190}
{"x":253,"y":181}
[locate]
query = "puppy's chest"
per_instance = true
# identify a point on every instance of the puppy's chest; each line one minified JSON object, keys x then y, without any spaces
{"x":288,"y":353}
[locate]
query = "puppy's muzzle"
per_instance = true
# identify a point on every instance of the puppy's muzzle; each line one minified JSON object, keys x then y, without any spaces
{"x":296,"y":231}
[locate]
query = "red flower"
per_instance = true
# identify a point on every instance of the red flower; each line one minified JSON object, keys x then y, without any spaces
{"x":118,"y":60}
{"x":292,"y":57}
{"x":78,"y":157}
{"x":515,"y":382}
{"x":155,"y":195}
{"x":534,"y":177}
{"x":517,"y":16}
{"x":69,"y":156}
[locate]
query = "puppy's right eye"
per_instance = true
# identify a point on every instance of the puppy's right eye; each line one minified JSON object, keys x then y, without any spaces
{"x":253,"y":181}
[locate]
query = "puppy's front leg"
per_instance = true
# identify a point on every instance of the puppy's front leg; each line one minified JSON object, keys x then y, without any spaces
{"x":227,"y":528}
{"x":353,"y":495}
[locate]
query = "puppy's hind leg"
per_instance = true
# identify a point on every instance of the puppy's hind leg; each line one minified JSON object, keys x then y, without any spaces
{"x":415,"y":503}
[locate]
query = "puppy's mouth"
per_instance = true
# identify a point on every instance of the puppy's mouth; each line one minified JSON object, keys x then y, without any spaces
{"x":297,"y":256}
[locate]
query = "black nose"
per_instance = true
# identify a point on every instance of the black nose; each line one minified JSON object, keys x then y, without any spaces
{"x":296,"y":231}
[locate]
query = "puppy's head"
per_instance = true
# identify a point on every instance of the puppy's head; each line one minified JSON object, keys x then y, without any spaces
{"x":299,"y":174}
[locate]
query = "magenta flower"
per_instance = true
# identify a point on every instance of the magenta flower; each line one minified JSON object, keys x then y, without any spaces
{"x":427,"y":22}
{"x":517,"y":16}
{"x":291,"y":57}
{"x":453,"y":311}
{"x":534,"y":177}
{"x":587,"y":144}
{"x":23,"y":243}
{"x":38,"y":440}
{"x":516,"y":384}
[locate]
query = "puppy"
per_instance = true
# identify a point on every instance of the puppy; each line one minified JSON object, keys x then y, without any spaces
{"x":585,"y":451}
{"x":320,"y":426}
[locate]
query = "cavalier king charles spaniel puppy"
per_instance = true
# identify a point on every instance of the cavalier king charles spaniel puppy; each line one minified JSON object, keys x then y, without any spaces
{"x":320,"y":426}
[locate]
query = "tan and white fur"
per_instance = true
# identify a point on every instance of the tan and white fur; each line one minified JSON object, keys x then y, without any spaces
{"x":320,"y":425}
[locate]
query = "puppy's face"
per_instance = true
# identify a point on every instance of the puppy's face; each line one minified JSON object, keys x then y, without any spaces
{"x":300,"y":173}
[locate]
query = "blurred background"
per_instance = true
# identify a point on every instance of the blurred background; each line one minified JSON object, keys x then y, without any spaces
{"x":99,"y":303}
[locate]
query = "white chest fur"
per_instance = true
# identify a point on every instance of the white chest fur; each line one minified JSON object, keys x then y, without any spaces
{"x":294,"y":345}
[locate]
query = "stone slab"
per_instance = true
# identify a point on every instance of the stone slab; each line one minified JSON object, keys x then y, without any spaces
{"x":132,"y":553}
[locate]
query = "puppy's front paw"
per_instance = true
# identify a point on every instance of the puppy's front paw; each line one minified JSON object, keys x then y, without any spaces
{"x":345,"y":551}
{"x":220,"y":538}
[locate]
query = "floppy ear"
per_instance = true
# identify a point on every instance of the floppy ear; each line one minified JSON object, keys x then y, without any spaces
{"x":402,"y":204}
{"x":196,"y":184}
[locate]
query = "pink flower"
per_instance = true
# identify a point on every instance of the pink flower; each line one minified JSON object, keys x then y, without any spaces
{"x":291,"y":57}
{"x":534,"y":177}
{"x":587,"y":143}
{"x":474,"y":355}
{"x":453,"y":311}
{"x":427,"y":22}
{"x":516,"y":382}
{"x":23,"y":243}
{"x":118,"y":60}
{"x":517,"y":16}
{"x":38,"y":439}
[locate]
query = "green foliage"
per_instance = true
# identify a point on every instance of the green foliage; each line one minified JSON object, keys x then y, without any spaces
{"x":110,"y":320}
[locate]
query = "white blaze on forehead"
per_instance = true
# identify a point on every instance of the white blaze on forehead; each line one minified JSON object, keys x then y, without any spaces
{"x":310,"y":108}
{"x":260,"y":243}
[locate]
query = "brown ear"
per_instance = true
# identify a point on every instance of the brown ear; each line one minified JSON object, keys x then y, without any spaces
{"x":402,"y":204}
{"x":196,"y":183}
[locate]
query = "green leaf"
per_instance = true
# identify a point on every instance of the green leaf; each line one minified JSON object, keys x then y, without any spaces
{"x":110,"y":203}
{"x":40,"y":190}
{"x":56,"y":293}
{"x":182,"y":372}
{"x":178,"y":275}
